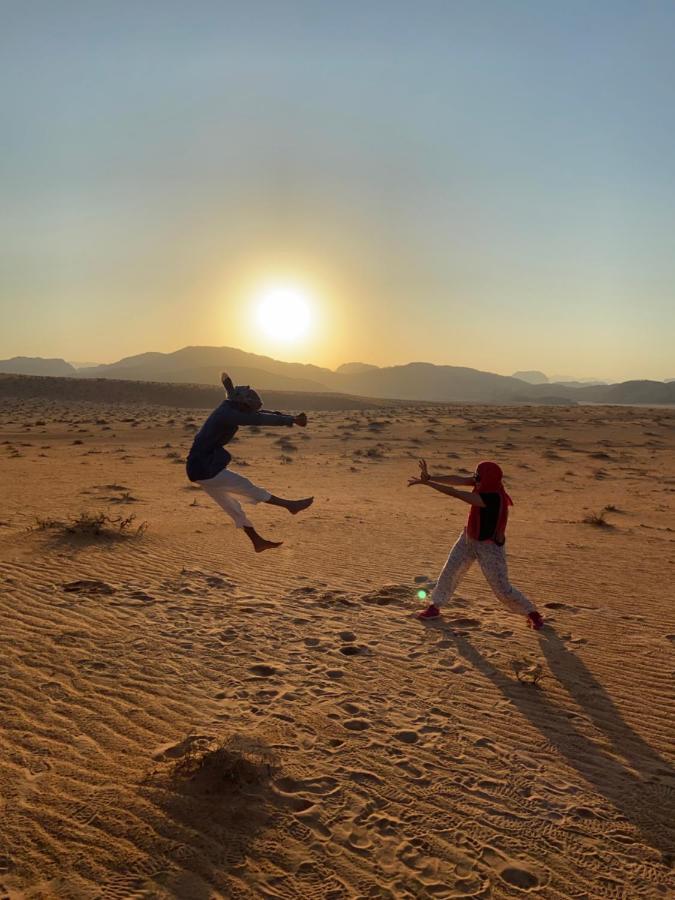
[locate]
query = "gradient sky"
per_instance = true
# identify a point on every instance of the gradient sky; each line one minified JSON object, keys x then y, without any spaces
{"x":476,"y":183}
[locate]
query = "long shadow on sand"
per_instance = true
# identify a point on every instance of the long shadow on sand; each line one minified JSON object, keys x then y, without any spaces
{"x":212,"y":823}
{"x":641,"y":788}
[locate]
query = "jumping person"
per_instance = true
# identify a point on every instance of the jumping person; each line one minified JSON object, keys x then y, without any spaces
{"x":208,"y":459}
{"x":481,"y":541}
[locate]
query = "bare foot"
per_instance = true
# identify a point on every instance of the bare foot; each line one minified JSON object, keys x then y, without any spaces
{"x":296,"y":506}
{"x":262,"y":544}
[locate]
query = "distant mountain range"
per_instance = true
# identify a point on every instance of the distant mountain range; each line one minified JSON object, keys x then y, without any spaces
{"x":536,"y":377}
{"x":35,"y":365}
{"x":414,"y":381}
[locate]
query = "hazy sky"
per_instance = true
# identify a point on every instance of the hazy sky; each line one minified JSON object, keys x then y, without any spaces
{"x":477,"y":183}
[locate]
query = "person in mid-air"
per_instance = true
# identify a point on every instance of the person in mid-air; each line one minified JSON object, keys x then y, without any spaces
{"x":481,"y":541}
{"x":208,"y":459}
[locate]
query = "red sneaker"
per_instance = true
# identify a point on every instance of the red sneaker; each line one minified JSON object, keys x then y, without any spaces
{"x":535,"y":621}
{"x":431,"y":612}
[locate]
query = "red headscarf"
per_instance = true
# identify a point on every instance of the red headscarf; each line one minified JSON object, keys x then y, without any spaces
{"x":490,"y":483}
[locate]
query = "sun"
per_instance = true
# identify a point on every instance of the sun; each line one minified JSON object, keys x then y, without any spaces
{"x":284,"y":313}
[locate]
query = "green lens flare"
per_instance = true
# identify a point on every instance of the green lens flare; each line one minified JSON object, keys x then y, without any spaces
{"x":421,"y":595}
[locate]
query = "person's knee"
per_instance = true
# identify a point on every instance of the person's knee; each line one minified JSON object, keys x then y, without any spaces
{"x":504,"y":593}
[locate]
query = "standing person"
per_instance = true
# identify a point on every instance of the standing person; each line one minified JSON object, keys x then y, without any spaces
{"x":208,"y":459}
{"x":482,"y":540}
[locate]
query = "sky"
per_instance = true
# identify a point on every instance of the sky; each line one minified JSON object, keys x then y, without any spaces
{"x":488,"y":184}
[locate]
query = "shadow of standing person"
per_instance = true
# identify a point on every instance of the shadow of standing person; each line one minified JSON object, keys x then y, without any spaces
{"x":641,"y":788}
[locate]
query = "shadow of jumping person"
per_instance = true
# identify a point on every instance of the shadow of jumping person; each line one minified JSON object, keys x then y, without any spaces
{"x":641,"y":788}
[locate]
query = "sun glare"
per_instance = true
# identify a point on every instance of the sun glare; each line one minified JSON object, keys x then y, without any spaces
{"x":283,"y":313}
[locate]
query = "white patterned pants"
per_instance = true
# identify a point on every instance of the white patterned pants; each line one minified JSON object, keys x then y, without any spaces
{"x":223,"y":489}
{"x":492,"y":560}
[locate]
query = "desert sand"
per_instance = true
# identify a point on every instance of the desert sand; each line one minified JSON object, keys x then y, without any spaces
{"x":366,"y":755}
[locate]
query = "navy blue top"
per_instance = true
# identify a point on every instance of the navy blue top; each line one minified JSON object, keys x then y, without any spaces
{"x":208,"y":455}
{"x":489,"y":516}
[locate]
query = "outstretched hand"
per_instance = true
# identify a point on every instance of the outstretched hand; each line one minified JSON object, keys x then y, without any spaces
{"x":227,"y":382}
{"x":301,"y":420}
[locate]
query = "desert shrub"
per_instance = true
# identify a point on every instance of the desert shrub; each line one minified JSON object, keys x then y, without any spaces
{"x":220,"y":766}
{"x":597,"y":519}
{"x":94,"y":525}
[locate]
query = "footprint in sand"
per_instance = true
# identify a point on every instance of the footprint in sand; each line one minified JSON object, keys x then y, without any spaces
{"x":88,"y":587}
{"x":519,"y":878}
{"x":356,"y":724}
{"x":177,"y":751}
{"x":463,"y":622}
{"x":323,"y":786}
{"x":335,"y":673}
{"x":70,"y":638}
{"x":54,"y":690}
{"x":352,"y":650}
{"x":263,"y":670}
{"x":406,"y":737}
{"x":229,"y":635}
{"x":388,"y":594}
{"x":93,"y":665}
{"x":37,"y":767}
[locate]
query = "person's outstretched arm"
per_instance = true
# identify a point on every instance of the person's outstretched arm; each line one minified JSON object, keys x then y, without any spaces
{"x":473,"y":499}
{"x":461,"y":480}
{"x":239,"y":417}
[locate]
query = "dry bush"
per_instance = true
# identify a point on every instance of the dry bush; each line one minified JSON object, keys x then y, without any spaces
{"x":597,"y":519}
{"x":220,"y":766}
{"x":94,"y":525}
{"x":375,"y":452}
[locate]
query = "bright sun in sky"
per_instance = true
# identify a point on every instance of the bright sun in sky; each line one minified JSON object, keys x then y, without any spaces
{"x":284,"y":313}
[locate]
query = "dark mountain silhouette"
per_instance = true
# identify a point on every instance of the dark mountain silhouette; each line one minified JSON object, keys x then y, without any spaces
{"x":626,"y":392}
{"x":425,"y":381}
{"x":186,"y":396}
{"x":415,"y":381}
{"x":203,"y":365}
{"x":354,"y":368}
{"x":35,"y":365}
{"x":533,"y":376}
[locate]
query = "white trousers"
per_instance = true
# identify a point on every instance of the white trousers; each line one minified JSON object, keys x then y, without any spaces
{"x":223,"y":488}
{"x":492,"y":560}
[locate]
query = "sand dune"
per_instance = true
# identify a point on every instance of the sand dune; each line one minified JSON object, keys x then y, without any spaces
{"x":394,"y":760}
